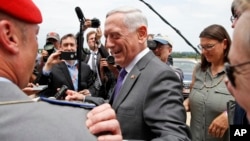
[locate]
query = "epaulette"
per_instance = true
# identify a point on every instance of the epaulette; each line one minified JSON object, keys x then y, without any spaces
{"x":68,"y":103}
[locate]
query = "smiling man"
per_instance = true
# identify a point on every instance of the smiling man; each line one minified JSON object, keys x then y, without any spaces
{"x":148,"y":101}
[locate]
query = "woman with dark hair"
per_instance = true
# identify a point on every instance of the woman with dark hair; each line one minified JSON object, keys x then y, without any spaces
{"x":209,"y":95}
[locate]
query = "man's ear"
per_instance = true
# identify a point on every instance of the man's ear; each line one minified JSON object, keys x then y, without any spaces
{"x":8,"y":36}
{"x":170,"y":49}
{"x":142,"y":33}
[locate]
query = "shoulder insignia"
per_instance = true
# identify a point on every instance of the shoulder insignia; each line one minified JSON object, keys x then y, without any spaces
{"x":68,"y":103}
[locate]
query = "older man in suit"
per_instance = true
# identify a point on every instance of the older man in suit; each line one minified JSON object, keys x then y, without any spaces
{"x":148,"y":101}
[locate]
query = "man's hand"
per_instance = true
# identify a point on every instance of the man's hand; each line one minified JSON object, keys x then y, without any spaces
{"x":102,"y":122}
{"x":44,"y":53}
{"x":85,"y":92}
{"x":98,"y":34}
{"x":87,"y":24}
{"x":53,"y":59}
{"x":74,"y":96}
{"x":29,"y":89}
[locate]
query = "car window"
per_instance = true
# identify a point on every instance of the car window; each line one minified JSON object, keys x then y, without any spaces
{"x":186,"y":66}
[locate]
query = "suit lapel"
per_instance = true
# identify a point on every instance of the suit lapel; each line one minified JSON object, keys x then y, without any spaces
{"x":126,"y":87}
{"x":132,"y":79}
{"x":65,"y":71}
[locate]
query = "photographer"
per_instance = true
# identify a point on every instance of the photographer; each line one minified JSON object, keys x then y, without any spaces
{"x":51,"y":45}
{"x":60,"y":69}
{"x":105,"y":72}
{"x":162,"y":47}
{"x":53,"y":38}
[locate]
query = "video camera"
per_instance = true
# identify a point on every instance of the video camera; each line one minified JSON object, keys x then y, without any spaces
{"x":95,"y":23}
{"x":50,"y":48}
{"x":104,"y":53}
{"x":152,"y":44}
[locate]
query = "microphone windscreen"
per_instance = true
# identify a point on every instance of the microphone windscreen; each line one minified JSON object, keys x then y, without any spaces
{"x":79,"y":13}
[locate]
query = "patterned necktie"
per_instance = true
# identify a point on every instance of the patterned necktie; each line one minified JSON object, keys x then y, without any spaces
{"x":73,"y":71}
{"x":94,"y":61}
{"x":120,"y":79}
{"x":98,"y":82}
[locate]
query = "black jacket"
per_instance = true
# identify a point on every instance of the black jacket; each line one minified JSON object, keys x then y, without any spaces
{"x":60,"y":75}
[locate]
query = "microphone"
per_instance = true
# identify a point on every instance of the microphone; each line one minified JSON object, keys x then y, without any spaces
{"x":79,"y":14}
{"x":61,"y":93}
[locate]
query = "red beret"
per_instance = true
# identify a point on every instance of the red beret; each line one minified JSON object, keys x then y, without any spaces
{"x":24,"y":10}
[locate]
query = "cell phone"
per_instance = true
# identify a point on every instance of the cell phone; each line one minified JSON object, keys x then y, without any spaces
{"x":68,"y":55}
{"x":39,"y":88}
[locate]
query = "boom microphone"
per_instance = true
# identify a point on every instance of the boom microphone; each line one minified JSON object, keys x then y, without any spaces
{"x":79,"y":14}
{"x":80,"y":44}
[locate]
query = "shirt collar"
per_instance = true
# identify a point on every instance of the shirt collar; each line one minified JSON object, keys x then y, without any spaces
{"x":69,"y":65}
{"x":2,"y":79}
{"x":136,"y":59}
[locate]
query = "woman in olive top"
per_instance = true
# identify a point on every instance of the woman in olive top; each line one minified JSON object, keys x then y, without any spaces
{"x":209,"y":95}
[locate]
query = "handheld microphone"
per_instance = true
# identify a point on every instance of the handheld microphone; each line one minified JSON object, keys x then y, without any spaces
{"x":79,"y":14}
{"x":61,"y":93}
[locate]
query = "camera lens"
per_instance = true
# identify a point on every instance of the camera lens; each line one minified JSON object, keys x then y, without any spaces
{"x":111,"y":60}
{"x":152,"y":44}
{"x":95,"y":23}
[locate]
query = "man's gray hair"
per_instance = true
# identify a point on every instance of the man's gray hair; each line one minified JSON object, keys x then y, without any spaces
{"x":133,"y":19}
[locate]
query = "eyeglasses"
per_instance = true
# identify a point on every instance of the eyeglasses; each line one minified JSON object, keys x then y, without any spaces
{"x":230,"y":69}
{"x":207,"y":47}
{"x":234,"y":17}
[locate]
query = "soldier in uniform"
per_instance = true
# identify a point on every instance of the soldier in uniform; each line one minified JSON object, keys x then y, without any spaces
{"x":23,"y":118}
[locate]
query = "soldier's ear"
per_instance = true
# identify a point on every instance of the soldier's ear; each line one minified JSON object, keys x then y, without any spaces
{"x":8,"y":36}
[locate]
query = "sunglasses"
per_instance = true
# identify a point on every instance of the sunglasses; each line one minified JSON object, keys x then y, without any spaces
{"x":230,"y":70}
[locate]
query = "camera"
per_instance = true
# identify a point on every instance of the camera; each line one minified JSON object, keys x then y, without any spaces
{"x":104,"y":53}
{"x":95,"y":23}
{"x":152,"y":44}
{"x":49,"y":47}
{"x":68,"y":55}
{"x":111,"y":60}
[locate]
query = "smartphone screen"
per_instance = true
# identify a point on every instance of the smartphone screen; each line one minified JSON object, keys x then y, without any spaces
{"x":39,"y":88}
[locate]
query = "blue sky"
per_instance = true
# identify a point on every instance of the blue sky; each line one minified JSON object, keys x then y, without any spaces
{"x":190,"y":17}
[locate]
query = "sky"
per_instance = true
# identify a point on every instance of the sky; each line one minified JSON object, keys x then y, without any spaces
{"x":190,"y":17}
